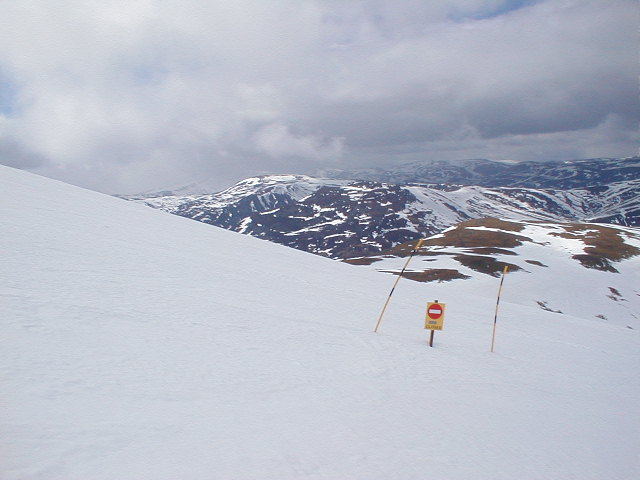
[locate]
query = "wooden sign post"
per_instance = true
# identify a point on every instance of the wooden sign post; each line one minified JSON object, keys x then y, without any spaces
{"x":434,"y":319}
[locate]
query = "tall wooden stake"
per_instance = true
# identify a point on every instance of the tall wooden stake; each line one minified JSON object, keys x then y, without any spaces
{"x":418,"y":245}
{"x":495,"y":318}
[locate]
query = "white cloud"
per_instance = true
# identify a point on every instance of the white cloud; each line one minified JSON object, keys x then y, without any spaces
{"x":277,"y":141}
{"x":125,"y":96}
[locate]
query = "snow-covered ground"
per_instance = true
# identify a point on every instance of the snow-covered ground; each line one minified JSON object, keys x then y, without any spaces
{"x":548,"y":276}
{"x":141,"y":345}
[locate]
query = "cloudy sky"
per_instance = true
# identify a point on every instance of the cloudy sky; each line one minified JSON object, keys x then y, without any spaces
{"x":126,"y":96}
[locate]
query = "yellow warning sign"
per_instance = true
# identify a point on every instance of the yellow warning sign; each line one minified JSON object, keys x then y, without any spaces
{"x":434,"y":320}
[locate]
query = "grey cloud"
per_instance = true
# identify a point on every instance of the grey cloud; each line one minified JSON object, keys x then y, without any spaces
{"x":14,"y":154}
{"x":126,"y":96}
{"x":531,"y":111}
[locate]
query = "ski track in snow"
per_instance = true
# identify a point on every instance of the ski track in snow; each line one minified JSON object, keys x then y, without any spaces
{"x":138,"y":344}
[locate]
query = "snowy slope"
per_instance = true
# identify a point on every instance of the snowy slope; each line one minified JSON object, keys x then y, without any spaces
{"x":141,"y":345}
{"x":586,"y":270}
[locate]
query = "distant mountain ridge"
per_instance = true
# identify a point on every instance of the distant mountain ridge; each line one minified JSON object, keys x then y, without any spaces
{"x":491,"y":173}
{"x":342,"y":218}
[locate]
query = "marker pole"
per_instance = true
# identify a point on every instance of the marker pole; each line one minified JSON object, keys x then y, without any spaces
{"x":418,"y":245}
{"x":495,"y":318}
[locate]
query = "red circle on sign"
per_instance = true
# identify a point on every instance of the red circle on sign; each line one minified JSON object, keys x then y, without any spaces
{"x":434,"y":311}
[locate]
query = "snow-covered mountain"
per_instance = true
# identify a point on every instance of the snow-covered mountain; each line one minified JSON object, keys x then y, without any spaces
{"x":138,"y":344}
{"x":346,"y":218}
{"x":489,"y":173}
{"x":600,"y":262}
